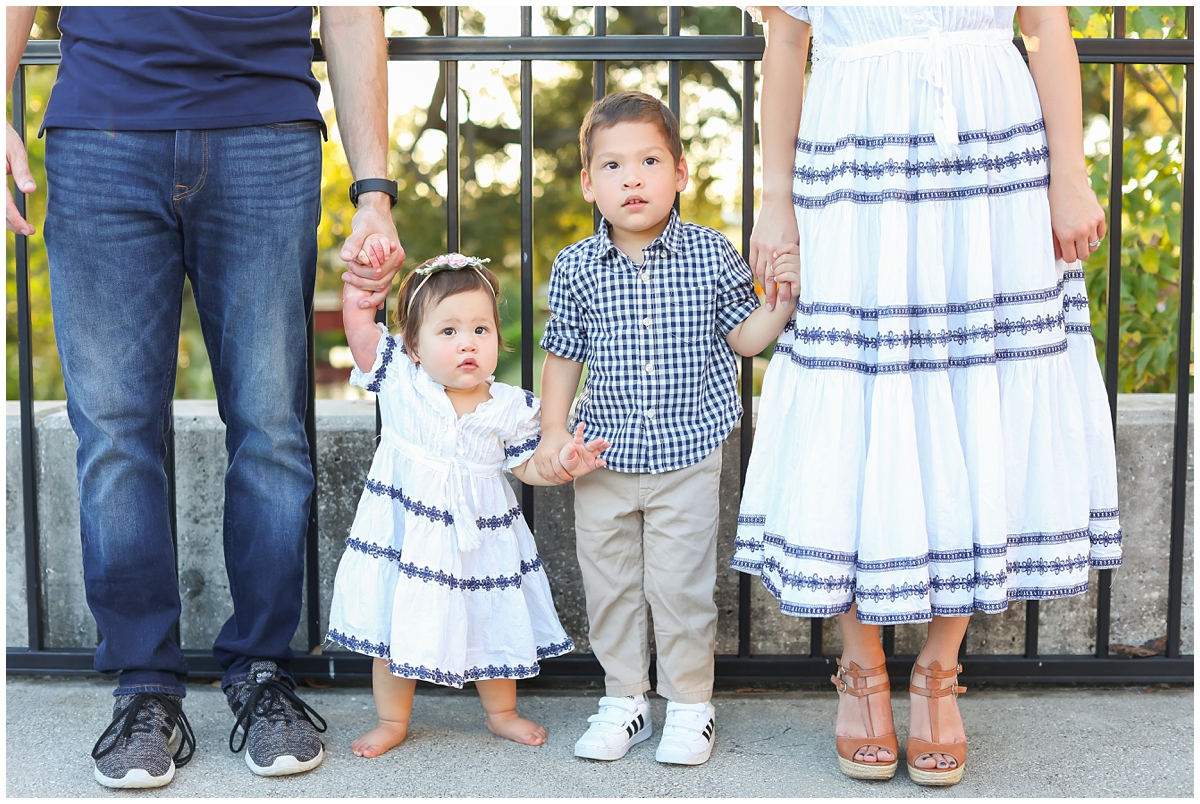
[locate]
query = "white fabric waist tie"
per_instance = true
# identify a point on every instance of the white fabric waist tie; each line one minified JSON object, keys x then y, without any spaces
{"x":466,"y":529}
{"x":934,"y":69}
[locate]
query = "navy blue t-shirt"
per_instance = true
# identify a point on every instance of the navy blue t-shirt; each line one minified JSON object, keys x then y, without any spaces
{"x":146,"y":68}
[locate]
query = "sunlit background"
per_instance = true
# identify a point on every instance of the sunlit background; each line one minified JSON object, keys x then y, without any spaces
{"x":711,"y":104}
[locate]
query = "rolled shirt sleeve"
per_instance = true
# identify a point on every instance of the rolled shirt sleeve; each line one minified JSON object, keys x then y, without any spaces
{"x":565,"y":333}
{"x":736,"y":298}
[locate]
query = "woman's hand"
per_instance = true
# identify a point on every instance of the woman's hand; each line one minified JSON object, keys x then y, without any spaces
{"x":775,"y":233}
{"x":1075,"y":217}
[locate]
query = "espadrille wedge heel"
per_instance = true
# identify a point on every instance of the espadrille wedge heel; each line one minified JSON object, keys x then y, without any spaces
{"x":935,"y":777}
{"x":853,"y":680}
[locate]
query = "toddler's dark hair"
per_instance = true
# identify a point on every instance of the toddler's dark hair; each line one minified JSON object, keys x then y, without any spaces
{"x":628,"y":107}
{"x":441,"y":285}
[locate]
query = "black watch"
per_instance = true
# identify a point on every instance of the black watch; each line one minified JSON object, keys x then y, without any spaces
{"x":373,"y":186}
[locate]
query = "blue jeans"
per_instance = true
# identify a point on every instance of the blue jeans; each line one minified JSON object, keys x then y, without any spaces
{"x":128,"y":215}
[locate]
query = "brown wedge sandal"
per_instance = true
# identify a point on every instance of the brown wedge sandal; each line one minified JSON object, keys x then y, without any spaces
{"x":853,"y":681}
{"x":935,"y":675}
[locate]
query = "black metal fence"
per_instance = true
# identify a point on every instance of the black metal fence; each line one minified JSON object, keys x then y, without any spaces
{"x":672,"y":47}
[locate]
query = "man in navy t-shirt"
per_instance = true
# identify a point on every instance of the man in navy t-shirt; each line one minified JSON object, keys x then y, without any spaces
{"x":186,"y":142}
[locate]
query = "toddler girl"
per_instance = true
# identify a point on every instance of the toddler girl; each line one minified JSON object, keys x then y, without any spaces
{"x":442,"y":581}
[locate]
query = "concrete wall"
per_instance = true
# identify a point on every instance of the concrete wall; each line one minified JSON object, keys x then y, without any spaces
{"x":345,"y":438}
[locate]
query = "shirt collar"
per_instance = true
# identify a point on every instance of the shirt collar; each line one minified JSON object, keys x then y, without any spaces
{"x":671,"y":237}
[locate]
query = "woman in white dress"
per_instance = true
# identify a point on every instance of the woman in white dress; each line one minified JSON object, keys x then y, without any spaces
{"x":933,"y":437}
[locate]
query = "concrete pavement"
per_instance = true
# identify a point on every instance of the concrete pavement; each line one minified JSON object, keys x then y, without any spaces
{"x":1023,"y":742}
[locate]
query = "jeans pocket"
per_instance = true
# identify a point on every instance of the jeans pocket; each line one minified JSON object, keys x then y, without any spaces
{"x":295,"y":125}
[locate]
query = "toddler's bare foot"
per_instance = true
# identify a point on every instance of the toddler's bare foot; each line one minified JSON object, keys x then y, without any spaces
{"x":518,"y":729}
{"x":386,"y":735}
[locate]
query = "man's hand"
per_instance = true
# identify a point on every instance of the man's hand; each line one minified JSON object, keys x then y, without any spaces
{"x":374,"y":217}
{"x":547,"y":458}
{"x":17,"y":166}
{"x":578,"y":458}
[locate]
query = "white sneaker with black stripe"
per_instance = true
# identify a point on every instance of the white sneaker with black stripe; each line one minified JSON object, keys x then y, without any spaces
{"x":620,"y":723}
{"x":688,"y":734}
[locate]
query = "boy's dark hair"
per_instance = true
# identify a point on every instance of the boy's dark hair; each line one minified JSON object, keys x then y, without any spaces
{"x":441,"y":285}
{"x":629,"y":107}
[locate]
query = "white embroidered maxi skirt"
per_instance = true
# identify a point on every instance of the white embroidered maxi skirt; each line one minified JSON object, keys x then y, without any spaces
{"x":933,"y":435}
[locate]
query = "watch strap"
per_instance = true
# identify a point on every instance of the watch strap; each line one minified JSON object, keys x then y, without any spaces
{"x":373,"y":186}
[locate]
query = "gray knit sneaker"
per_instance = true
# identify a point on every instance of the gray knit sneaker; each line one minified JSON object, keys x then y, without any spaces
{"x":279,"y":735}
{"x":145,"y":742}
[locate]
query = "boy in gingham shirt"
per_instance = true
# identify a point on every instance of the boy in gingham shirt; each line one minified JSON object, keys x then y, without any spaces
{"x":656,"y":308}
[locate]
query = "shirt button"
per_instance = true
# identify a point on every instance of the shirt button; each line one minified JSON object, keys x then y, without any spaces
{"x":649,"y":368}
{"x":650,"y":414}
{"x":646,"y":321}
{"x":645,"y":277}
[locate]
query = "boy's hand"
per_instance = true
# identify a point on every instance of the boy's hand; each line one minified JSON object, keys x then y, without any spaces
{"x":784,"y":270}
{"x":579,"y":458}
{"x":547,"y":458}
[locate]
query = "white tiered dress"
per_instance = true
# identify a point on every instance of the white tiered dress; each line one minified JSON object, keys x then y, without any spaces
{"x":933,"y":435}
{"x":441,"y":575}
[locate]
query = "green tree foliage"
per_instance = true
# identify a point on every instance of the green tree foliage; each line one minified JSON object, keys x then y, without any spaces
{"x":711,"y":104}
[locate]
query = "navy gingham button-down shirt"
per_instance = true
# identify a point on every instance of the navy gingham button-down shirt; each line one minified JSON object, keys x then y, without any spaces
{"x":661,"y":380}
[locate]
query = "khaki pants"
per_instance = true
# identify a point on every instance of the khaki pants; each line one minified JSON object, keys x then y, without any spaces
{"x":646,"y":538}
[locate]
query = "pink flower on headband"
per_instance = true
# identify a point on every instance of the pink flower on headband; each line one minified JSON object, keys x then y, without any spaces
{"x":453,"y":262}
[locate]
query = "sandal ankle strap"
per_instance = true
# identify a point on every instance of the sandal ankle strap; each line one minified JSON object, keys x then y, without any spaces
{"x":858,"y":674}
{"x":935,"y":673}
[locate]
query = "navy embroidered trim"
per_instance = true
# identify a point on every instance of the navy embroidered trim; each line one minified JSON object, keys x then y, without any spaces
{"x":927,"y":310}
{"x":902,"y":366}
{"x":933,"y":167}
{"x":556,"y":649}
{"x":427,"y":574}
{"x":381,"y":372}
{"x":1055,"y":565}
{"x":912,"y":140}
{"x":357,"y":645}
{"x":518,"y":449}
{"x":916,"y":196}
{"x":415,"y":506}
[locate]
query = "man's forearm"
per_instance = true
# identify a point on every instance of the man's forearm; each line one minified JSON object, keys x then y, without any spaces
{"x":560,"y":380}
{"x":356,"y":55}
{"x":18,"y":23}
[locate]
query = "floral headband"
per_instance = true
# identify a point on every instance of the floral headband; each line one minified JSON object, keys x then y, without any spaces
{"x":449,"y":262}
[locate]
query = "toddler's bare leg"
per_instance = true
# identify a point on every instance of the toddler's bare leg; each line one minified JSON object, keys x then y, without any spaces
{"x":499,"y":699}
{"x":393,"y":706}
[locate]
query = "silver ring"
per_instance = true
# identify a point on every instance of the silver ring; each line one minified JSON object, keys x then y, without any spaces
{"x":1094,"y":243}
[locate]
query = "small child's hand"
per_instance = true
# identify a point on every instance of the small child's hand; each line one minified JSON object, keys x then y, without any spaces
{"x":785,"y":271}
{"x":375,"y":251}
{"x":353,"y":296}
{"x":547,"y":457}
{"x":579,"y":458}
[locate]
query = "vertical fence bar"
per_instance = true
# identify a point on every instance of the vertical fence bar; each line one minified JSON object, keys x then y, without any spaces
{"x":599,"y":81}
{"x":33,"y":585}
{"x":453,"y":226}
{"x":1182,"y":377}
{"x":744,"y":580}
{"x":1031,"y":629}
{"x":312,"y":545}
{"x":1112,"y":347}
{"x":673,"y":72}
{"x":527,"y":299}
